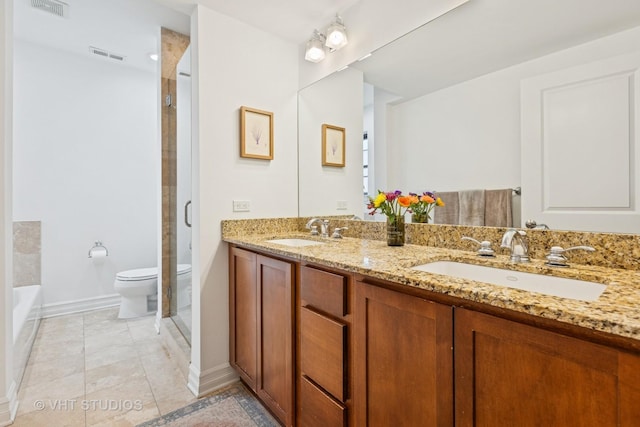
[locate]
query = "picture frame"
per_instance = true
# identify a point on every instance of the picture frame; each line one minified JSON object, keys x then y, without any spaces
{"x":256,"y":133}
{"x":333,"y":145}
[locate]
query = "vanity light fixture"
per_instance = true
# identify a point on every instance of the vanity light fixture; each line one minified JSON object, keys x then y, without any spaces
{"x":335,"y":39}
{"x":315,"y":49}
{"x":336,"y":35}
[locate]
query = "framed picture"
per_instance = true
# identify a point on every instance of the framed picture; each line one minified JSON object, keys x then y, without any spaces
{"x":333,"y":145}
{"x":256,"y":133}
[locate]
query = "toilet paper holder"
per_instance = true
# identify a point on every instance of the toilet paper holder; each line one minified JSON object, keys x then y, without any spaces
{"x":96,"y":250}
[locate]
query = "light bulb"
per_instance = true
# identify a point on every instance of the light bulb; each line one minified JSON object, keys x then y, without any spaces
{"x":315,"y":50}
{"x":336,"y":35}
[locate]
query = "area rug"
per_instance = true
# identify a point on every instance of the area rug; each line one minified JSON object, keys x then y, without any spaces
{"x":234,"y":406}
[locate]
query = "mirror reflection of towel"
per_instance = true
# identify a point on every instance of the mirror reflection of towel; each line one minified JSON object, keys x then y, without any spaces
{"x":449,"y":213}
{"x":471,"y":207}
{"x":497,"y":210}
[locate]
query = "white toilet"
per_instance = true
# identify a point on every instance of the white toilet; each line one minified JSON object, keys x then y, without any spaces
{"x":184,"y":286}
{"x":135,"y":288}
{"x":139,"y":290}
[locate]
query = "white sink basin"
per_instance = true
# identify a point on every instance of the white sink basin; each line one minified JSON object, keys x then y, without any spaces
{"x":549,"y":285}
{"x":295,"y":242}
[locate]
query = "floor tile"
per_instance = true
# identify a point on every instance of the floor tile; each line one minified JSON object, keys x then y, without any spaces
{"x":94,"y":369}
{"x":57,"y":417}
{"x":179,"y":398}
{"x":52,"y":369}
{"x":42,"y":352}
{"x":111,"y":375}
{"x":50,"y":393}
{"x":131,"y":396}
{"x":97,"y":342}
{"x":109,"y":355}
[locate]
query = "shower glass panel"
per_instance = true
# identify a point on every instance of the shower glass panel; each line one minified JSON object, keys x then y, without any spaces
{"x":181,"y":286}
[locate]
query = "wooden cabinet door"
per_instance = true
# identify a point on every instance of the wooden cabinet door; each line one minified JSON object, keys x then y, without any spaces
{"x":243,"y":317}
{"x":403,"y":360}
{"x":507,"y":373}
{"x":275,"y":336}
{"x":629,"y":374}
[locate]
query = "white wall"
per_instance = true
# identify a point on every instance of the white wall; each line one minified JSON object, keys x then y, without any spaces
{"x":463,"y":137}
{"x":85,"y":156}
{"x":384,"y":137}
{"x":468,"y":135}
{"x":336,"y":100}
{"x":8,"y":398}
{"x":233,"y":65}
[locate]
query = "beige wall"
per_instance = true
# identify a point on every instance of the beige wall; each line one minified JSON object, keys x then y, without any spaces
{"x":27,"y":254}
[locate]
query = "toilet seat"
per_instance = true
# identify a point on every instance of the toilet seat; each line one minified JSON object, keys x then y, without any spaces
{"x":183,"y":269}
{"x":137,"y":275}
{"x":140,"y":274}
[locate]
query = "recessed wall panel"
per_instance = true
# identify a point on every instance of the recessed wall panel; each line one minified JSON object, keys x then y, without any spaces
{"x":587,"y":144}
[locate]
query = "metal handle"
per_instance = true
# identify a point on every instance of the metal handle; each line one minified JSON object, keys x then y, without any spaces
{"x":484,"y":249}
{"x":584,"y":248}
{"x":186,"y":214}
{"x":533,"y":224}
{"x":337,"y":232}
{"x":471,"y":239}
{"x":555,"y":258}
{"x":555,"y":250}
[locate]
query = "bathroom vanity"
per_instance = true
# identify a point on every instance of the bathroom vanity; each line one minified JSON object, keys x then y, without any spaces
{"x":346,"y":332}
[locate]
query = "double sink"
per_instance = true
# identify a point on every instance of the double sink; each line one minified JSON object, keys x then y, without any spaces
{"x":540,"y":283}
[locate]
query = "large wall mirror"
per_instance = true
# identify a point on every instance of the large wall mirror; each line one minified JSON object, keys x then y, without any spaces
{"x":440,"y":109}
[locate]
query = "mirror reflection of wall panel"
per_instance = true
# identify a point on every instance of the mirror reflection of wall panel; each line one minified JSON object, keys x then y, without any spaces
{"x":324,"y":189}
{"x":578,"y":129}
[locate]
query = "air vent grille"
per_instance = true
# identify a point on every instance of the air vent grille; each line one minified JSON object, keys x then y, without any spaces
{"x":53,"y":7}
{"x":106,"y":54}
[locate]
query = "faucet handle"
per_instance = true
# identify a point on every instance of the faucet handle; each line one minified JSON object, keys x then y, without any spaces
{"x":337,"y":232}
{"x":484,"y":249}
{"x":556,"y":256}
{"x":314,"y":230}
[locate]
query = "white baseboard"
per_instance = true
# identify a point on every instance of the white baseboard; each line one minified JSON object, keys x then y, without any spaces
{"x":78,"y":306}
{"x":9,"y":406}
{"x":201,"y":383}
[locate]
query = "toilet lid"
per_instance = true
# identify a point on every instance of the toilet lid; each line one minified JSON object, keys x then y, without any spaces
{"x":183,"y":269}
{"x":138,"y":274}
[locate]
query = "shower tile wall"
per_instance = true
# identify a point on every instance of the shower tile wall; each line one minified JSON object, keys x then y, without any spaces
{"x":173,"y":47}
{"x":26,"y":253}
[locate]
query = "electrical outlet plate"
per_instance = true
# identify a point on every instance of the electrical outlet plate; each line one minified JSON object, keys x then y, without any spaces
{"x":342,"y":205}
{"x":241,"y":205}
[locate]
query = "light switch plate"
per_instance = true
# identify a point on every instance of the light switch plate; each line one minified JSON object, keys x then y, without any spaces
{"x":241,"y":205}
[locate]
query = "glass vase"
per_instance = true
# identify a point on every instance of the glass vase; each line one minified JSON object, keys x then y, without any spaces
{"x":395,"y":231}
{"x":420,"y":217}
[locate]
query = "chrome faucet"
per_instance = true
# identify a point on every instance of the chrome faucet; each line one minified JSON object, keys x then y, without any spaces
{"x":515,"y":241}
{"x":324,"y":227}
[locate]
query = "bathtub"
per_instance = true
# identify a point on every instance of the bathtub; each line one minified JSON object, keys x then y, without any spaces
{"x":27,"y":303}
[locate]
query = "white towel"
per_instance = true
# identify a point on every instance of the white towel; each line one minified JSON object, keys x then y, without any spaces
{"x":471,"y":207}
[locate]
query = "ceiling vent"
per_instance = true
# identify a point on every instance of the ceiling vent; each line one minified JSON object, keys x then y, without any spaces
{"x":106,"y":54}
{"x":53,"y":7}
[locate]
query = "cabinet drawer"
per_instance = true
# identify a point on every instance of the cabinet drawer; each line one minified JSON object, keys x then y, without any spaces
{"x":323,"y":290}
{"x":322,"y":351}
{"x":317,"y":409}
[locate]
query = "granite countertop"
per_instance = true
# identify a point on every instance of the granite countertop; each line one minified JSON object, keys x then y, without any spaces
{"x":616,"y":311}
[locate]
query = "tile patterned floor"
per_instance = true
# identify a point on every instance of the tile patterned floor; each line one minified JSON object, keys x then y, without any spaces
{"x":93,"y":369}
